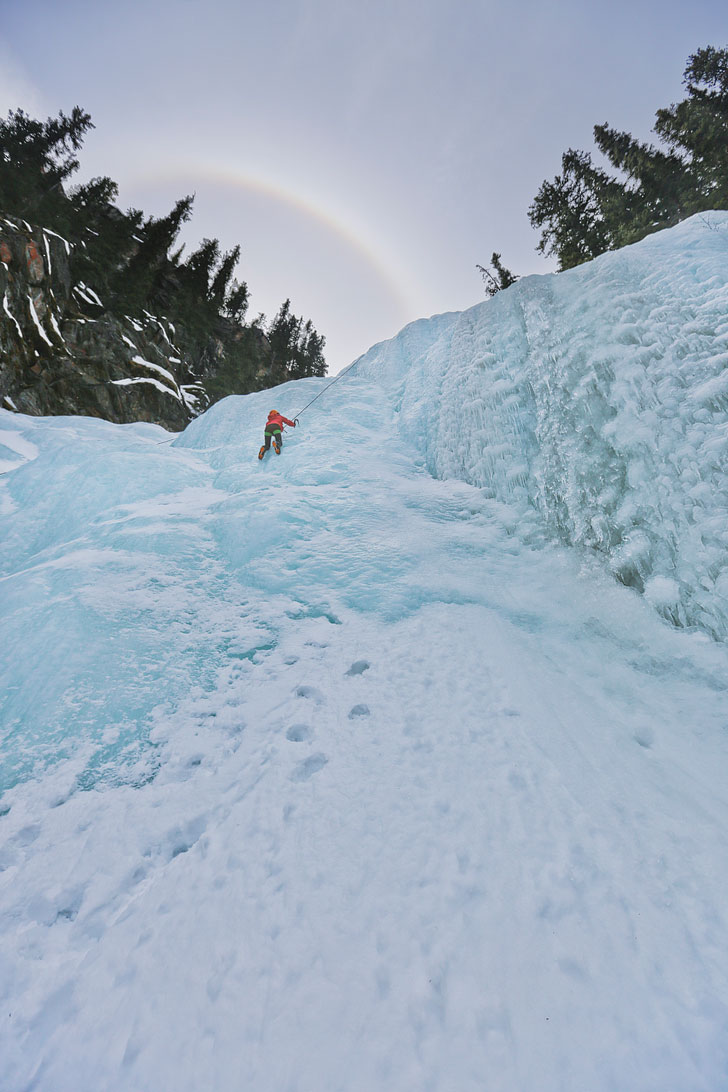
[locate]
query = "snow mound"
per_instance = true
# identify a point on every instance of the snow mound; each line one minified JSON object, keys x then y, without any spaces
{"x":597,"y":398}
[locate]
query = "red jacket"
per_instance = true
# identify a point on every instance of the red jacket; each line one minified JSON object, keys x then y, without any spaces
{"x":275,"y":418}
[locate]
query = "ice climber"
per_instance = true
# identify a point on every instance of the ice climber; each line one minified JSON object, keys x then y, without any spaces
{"x":273,"y":427}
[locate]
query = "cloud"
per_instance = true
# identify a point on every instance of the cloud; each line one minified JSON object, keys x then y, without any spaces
{"x":17,"y":89}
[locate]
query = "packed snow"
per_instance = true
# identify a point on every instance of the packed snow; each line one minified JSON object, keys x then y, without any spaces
{"x":36,"y":321}
{"x":151,"y":382}
{"x":142,"y":363}
{"x":11,"y":316}
{"x":47,"y":231}
{"x":358,"y":768}
{"x":87,"y":294}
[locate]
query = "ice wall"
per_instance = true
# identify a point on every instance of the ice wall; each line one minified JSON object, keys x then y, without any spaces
{"x":596,"y":399}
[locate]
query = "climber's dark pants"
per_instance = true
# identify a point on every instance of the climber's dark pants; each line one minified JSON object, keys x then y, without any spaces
{"x":273,"y":433}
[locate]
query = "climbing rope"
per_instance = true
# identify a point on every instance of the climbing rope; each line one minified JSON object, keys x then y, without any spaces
{"x":297,"y":415}
{"x":335,"y":380}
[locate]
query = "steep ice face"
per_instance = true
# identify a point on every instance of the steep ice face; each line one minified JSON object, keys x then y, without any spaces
{"x":597,"y":398}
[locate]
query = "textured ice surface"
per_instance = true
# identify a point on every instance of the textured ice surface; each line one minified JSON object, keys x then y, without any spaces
{"x":598,"y":398}
{"x":325,"y":774}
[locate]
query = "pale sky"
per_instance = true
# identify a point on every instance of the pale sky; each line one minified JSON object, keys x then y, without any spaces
{"x":365,"y":156}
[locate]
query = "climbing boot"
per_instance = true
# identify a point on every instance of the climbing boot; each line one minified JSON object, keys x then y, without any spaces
{"x":276,"y":447}
{"x":261,"y":453}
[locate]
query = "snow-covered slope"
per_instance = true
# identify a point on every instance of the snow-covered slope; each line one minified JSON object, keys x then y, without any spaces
{"x":323,"y":773}
{"x":599,"y":398}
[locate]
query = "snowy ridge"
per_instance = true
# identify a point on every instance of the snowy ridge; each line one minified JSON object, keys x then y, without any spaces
{"x":597,"y":398}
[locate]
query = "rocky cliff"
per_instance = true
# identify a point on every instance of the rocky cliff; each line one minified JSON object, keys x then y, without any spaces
{"x":63,"y":352}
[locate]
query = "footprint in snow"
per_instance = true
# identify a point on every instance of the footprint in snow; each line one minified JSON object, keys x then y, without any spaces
{"x":299,"y":733}
{"x":359,"y":667}
{"x":27,"y":835}
{"x":309,"y":767}
{"x":358,"y":711}
{"x":309,"y":692}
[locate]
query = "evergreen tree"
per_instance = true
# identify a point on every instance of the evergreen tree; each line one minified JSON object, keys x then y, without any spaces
{"x":576,"y":211}
{"x":698,"y":127}
{"x":199,"y":266}
{"x":221,"y":280}
{"x":283,"y":334}
{"x":104,"y":237}
{"x":139,"y":280}
{"x":312,"y":352}
{"x":657,"y":189}
{"x":586,"y":211}
{"x":93,"y":198}
{"x":36,"y":158}
{"x":296,"y":346}
{"x":496,"y":277}
{"x":236,"y":302}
